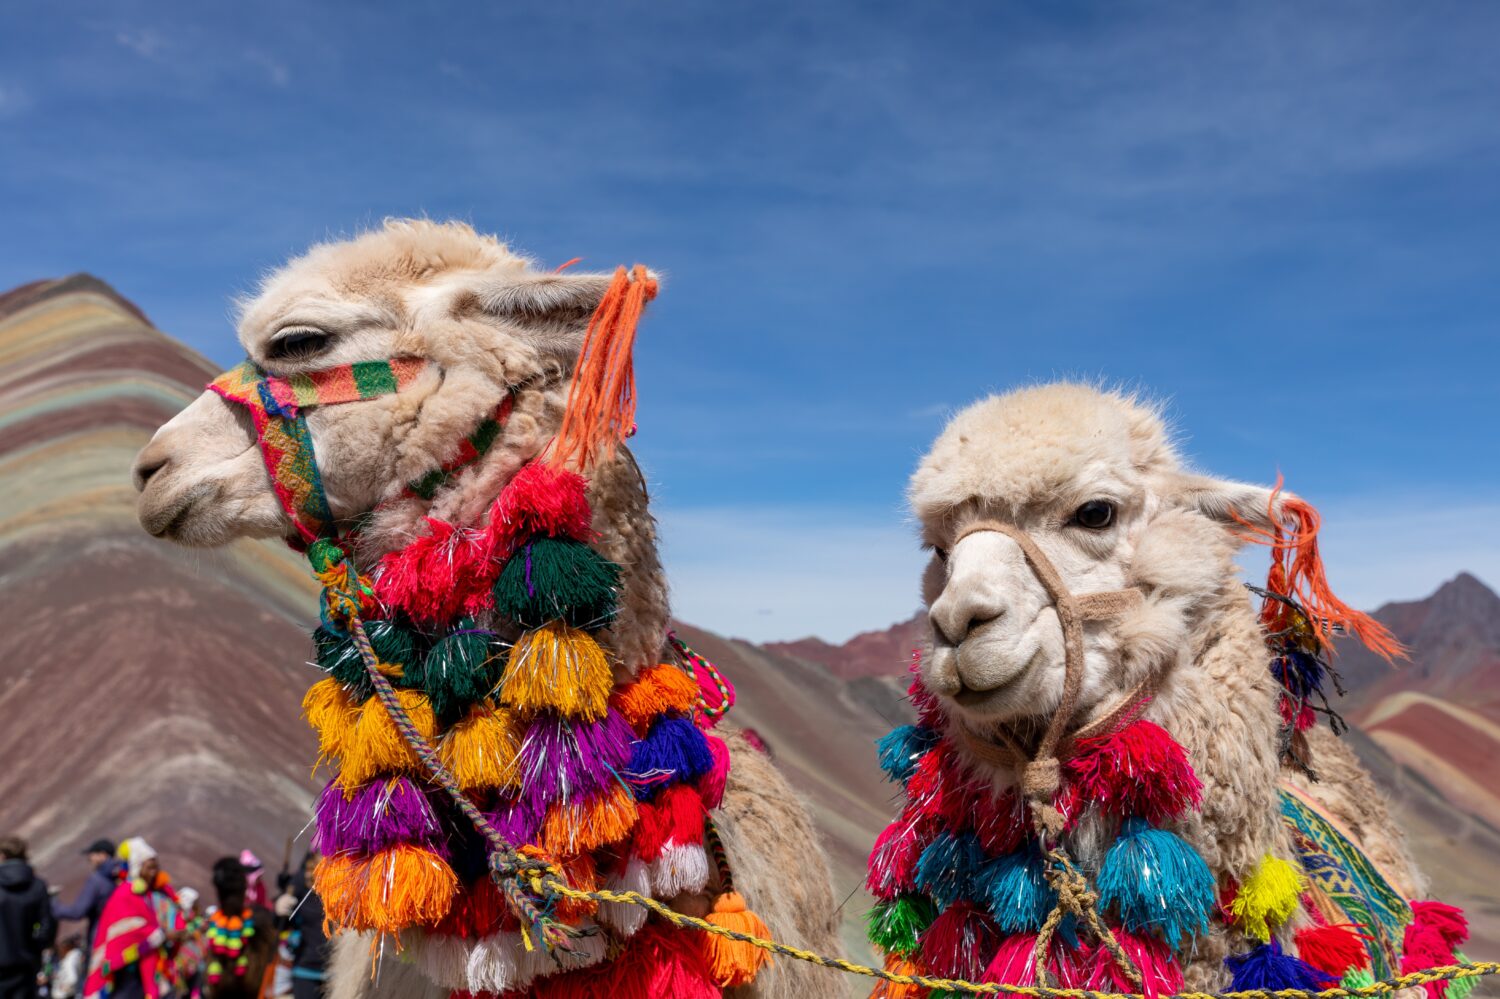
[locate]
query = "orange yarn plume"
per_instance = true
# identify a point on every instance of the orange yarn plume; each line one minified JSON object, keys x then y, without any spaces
{"x":734,"y":962}
{"x":1297,"y":572}
{"x":601,"y":400}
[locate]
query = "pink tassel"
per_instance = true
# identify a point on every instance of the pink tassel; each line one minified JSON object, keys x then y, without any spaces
{"x":1435,"y":929}
{"x":893,"y":858}
{"x":957,"y":942}
{"x":1138,"y":771}
{"x":1067,"y":967}
{"x":1160,"y":973}
{"x":711,"y":785}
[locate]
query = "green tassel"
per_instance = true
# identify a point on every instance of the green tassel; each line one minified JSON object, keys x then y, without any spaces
{"x":551,"y":578}
{"x":339,"y":657}
{"x":1459,"y":988}
{"x":1358,"y":978}
{"x":896,"y":926}
{"x":458,"y":671}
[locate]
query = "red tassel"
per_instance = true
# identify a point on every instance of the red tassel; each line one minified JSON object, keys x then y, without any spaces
{"x":1333,"y":949}
{"x":1138,"y":771}
{"x":658,"y":961}
{"x":1448,"y":921}
{"x":1160,"y":973}
{"x":676,"y":816}
{"x":541,"y":499}
{"x":958,"y":942}
{"x":438,"y":576}
{"x":1435,"y":929}
{"x":929,"y":712}
{"x":1297,"y":572}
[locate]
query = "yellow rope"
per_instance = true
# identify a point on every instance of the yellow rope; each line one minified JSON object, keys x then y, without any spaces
{"x":548,"y":884}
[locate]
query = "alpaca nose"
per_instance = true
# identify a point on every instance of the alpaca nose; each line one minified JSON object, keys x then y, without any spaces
{"x":955,"y":616}
{"x":152,"y":459}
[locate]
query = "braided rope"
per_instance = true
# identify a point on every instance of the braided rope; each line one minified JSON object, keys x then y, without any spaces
{"x":1074,"y":895}
{"x":690,"y":660}
{"x":516,"y":873}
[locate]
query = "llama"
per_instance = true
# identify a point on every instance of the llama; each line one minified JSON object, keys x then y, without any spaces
{"x":444,"y":383}
{"x":1100,"y":713}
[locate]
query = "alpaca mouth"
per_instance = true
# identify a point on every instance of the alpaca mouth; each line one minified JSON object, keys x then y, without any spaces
{"x":168,"y":519}
{"x":997,"y":695}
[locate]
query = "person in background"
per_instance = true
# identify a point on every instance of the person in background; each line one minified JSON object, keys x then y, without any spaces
{"x":26,"y":924}
{"x":256,"y":895}
{"x":301,"y":911}
{"x":103,"y":876}
{"x":189,"y":957}
{"x":131,"y":957}
{"x":67,"y":978}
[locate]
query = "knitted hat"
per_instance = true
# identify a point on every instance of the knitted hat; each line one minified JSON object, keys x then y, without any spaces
{"x":135,"y":852}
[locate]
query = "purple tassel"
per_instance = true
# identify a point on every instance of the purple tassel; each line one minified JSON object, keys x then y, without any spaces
{"x":674,"y":751}
{"x":564,"y":760}
{"x":383,"y":813}
{"x":517,"y":820}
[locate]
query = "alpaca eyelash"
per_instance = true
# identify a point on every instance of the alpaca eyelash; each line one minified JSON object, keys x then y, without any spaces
{"x":297,"y":343}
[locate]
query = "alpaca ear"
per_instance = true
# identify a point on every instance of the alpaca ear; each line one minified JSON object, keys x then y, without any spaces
{"x":1233,"y":504}
{"x":553,"y":310}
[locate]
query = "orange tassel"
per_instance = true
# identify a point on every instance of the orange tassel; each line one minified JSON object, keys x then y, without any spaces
{"x":580,"y":872}
{"x":1297,"y":571}
{"x":603,"y":820}
{"x":387,"y":892}
{"x":734,"y":962}
{"x":601,"y":400}
{"x":655,"y":691}
{"x":898,"y":965}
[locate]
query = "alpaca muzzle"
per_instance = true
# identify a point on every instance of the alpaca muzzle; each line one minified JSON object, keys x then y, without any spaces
{"x":1041,"y":768}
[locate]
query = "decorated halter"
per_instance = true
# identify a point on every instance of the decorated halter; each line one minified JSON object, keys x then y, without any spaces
{"x":1042,"y":773}
{"x":277,"y":406}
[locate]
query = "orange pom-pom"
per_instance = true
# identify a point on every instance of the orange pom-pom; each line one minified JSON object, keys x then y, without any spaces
{"x":897,"y":965}
{"x":655,"y":691}
{"x":604,"y":819}
{"x":387,"y":892}
{"x":734,"y":962}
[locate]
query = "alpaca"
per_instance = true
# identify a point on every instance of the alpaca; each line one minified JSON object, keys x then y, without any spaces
{"x":1090,"y":482}
{"x":495,"y":342}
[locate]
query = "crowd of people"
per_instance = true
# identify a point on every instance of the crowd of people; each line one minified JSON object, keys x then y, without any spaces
{"x":144,"y":937}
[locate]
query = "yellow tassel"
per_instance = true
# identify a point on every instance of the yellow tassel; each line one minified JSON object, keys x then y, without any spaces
{"x":558,"y":668}
{"x":654,"y":692}
{"x":481,"y":749}
{"x":406,"y":886}
{"x":734,"y":962}
{"x":577,"y":827}
{"x":1267,"y":897}
{"x":375,"y":746}
{"x":329,"y":711}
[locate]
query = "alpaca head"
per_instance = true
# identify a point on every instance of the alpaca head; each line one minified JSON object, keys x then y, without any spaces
{"x":484,"y":318}
{"x":1092,"y":478}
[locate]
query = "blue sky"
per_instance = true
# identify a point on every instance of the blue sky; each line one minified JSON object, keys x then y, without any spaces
{"x":1282,"y":216}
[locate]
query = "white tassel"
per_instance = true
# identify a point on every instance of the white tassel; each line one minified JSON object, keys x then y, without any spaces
{"x":623,"y":917}
{"x":538,"y":963}
{"x":680,"y":870}
{"x":443,"y":959}
{"x":492,"y":965}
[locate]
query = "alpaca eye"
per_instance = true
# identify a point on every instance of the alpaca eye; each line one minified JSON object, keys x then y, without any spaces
{"x":297,"y":344}
{"x":1096,"y":515}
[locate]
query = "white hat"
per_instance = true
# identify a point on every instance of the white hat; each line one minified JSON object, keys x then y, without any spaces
{"x":187,"y":897}
{"x":136,"y":852}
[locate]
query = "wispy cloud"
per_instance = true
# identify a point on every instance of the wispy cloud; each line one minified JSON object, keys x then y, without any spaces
{"x":148,"y":43}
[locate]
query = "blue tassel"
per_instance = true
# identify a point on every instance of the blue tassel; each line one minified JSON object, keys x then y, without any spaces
{"x":1015,"y":889}
{"x":900,"y":748}
{"x":674,"y":750}
{"x":1158,"y":882}
{"x":948,"y":866}
{"x":1267,"y":968}
{"x":1299,"y":672}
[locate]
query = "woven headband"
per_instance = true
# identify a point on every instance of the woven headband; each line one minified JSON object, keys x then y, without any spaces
{"x":286,"y":446}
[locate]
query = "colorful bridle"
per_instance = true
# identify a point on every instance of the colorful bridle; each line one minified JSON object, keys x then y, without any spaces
{"x":278,"y":408}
